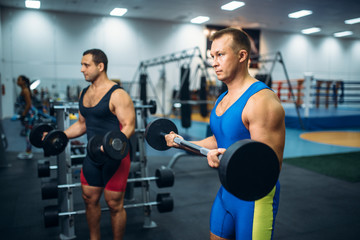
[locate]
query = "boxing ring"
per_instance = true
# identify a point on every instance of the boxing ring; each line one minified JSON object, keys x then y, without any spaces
{"x":324,"y":104}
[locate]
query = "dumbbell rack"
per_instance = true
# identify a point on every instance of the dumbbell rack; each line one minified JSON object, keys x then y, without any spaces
{"x":64,"y":174}
{"x":65,"y":206}
{"x":145,"y":186}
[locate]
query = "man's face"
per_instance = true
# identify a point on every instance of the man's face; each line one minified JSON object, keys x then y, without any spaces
{"x":88,"y":67}
{"x":225,"y":61}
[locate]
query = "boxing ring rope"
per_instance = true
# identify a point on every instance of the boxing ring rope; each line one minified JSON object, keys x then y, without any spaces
{"x":311,"y":92}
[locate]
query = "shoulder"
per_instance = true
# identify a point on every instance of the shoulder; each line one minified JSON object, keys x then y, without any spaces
{"x":119,"y":94}
{"x":264,"y":103}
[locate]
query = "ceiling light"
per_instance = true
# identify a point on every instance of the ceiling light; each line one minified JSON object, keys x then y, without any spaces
{"x":299,"y":14}
{"x":343,"y":34}
{"x":118,"y":12}
{"x":232,"y":5}
{"x":200,"y":19}
{"x":311,"y":30}
{"x":32,"y":4}
{"x":352,"y":21}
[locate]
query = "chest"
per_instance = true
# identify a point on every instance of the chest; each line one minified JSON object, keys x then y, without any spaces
{"x":92,"y":98}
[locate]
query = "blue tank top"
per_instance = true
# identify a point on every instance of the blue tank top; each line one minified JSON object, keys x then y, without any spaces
{"x":229,"y":128}
{"x":99,"y":119}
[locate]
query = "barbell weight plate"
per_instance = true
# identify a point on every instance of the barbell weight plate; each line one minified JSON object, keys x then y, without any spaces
{"x":165,"y":203}
{"x":93,"y":149}
{"x":165,"y":177}
{"x":116,"y":145}
{"x":152,"y":109}
{"x":55,"y":143}
{"x":249,"y":169}
{"x":37,"y":132}
{"x":51,"y":216}
{"x":153,"y":133}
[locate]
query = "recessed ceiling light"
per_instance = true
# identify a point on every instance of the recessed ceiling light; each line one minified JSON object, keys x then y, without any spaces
{"x":200,"y":19}
{"x":232,"y":5}
{"x":343,"y":34}
{"x":32,"y":4}
{"x":299,"y":14}
{"x":352,"y":21}
{"x":118,"y":12}
{"x":311,"y":30}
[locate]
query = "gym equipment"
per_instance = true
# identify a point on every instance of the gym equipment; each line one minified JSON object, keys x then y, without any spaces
{"x":185,"y":109}
{"x":164,"y":177}
{"x":248,"y":169}
{"x":164,"y":203}
{"x":115,"y":145}
{"x":44,"y":166}
{"x":54,"y":142}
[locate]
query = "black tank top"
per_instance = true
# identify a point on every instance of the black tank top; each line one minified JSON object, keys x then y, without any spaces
{"x":99,"y":119}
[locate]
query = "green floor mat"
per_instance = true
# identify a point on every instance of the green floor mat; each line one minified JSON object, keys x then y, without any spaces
{"x":345,"y":166}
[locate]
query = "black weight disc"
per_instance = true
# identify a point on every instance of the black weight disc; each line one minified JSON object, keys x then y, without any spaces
{"x":116,"y":145}
{"x":37,"y":132}
{"x":249,"y":170}
{"x":51,"y":216}
{"x":152,"y":110}
{"x":153,"y":133}
{"x":55,"y":143}
{"x":165,"y":177}
{"x":93,"y":149}
{"x":165,"y":202}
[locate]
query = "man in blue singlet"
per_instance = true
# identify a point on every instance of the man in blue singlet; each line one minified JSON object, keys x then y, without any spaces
{"x":247,"y":110}
{"x":103,"y":107}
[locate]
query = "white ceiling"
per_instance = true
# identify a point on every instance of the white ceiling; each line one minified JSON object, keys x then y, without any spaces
{"x":329,"y":15}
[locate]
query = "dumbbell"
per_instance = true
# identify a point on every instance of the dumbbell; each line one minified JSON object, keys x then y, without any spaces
{"x":115,"y":145}
{"x":164,"y":203}
{"x":54,"y":142}
{"x":44,"y":167}
{"x":248,"y":169}
{"x":164,"y":177}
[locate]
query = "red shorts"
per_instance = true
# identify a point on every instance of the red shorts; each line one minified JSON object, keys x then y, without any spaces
{"x":112,"y":175}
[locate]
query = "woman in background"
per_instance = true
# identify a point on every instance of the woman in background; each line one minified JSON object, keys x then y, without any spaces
{"x":27,"y":114}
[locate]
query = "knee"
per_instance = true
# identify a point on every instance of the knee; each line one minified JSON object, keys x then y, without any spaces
{"x":90,"y":200}
{"x":115,"y":205}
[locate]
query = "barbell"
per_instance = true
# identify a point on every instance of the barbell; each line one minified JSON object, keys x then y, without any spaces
{"x":164,"y":177}
{"x":248,"y":169}
{"x":164,"y":203}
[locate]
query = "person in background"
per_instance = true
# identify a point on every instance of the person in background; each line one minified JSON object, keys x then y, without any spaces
{"x":28,"y":113}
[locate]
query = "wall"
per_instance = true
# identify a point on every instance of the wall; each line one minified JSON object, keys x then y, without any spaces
{"x":49,"y":46}
{"x":326,"y":57}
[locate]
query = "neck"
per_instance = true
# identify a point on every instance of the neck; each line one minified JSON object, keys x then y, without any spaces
{"x":100,"y":81}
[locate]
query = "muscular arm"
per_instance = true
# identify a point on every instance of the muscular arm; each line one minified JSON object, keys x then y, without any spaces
{"x":209,"y":142}
{"x":265,"y":118}
{"x":77,"y":129}
{"x":122,"y":106}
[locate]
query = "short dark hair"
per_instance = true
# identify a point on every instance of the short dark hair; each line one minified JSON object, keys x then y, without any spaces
{"x":241,"y":40}
{"x":98,"y":57}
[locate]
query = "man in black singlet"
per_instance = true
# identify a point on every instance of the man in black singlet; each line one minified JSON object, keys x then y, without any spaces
{"x":103,"y":107}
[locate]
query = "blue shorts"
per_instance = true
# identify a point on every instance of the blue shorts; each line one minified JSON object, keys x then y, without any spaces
{"x":232,"y":218}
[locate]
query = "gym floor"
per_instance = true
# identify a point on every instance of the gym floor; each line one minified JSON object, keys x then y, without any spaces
{"x":312,"y":206}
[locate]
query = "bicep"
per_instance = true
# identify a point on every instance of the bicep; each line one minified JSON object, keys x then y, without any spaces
{"x":124,"y":111}
{"x":267,"y":125}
